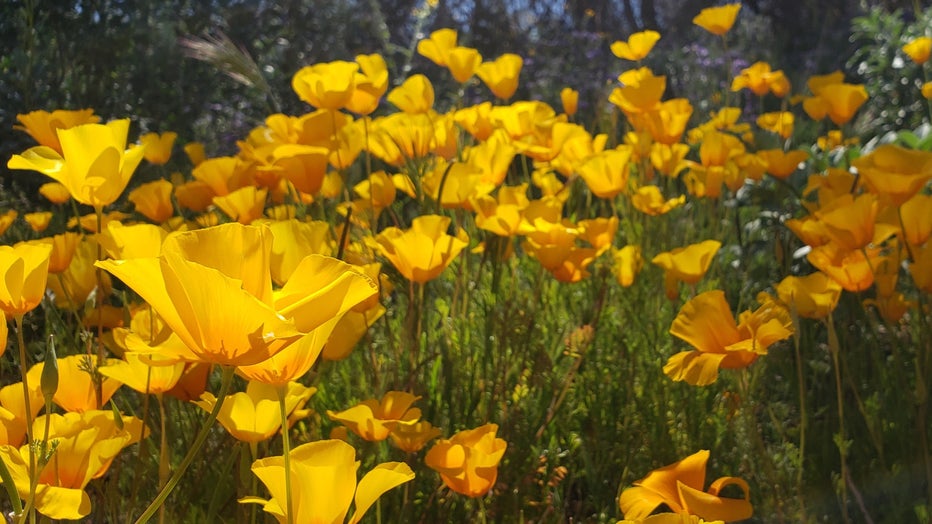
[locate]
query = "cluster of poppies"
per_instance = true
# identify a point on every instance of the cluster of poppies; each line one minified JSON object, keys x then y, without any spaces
{"x":228,"y":271}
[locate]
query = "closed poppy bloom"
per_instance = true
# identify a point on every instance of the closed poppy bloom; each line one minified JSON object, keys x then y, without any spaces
{"x":686,"y":264}
{"x":13,"y":417}
{"x":627,"y":264}
{"x":841,"y":101}
{"x":501,"y":75}
{"x":637,"y":47}
{"x":254,"y":415}
{"x":94,"y":165}
{"x":38,"y":222}
{"x":77,"y":391}
{"x":24,"y":270}
{"x":569,"y":98}
{"x":158,"y":146}
{"x":371,"y":84}
{"x":895,"y":172}
{"x":463,"y":63}
{"x":921,"y":268}
{"x":422,"y":252}
{"x":606,"y":173}
{"x":681,"y":487}
{"x":437,"y":46}
{"x":374,"y":419}
{"x":54,"y":192}
{"x":323,"y":483}
{"x":919,"y":49}
{"x":195,"y":152}
{"x":153,"y":200}
{"x":468,"y":461}
{"x":327,"y":85}
{"x":781,"y":164}
{"x":414,"y":96}
{"x":85,"y":446}
{"x":718,"y":20}
{"x":812,"y":296}
{"x":43,"y":126}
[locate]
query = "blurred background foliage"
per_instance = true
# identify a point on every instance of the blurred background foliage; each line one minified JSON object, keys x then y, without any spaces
{"x":128,"y":57}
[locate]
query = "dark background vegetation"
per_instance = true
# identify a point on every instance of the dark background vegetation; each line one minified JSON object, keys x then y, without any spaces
{"x":123,"y":57}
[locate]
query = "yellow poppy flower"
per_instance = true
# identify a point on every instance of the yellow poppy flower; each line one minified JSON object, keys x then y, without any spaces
{"x":687,"y":264}
{"x":327,"y":85}
{"x":244,"y":204}
{"x":501,"y":75}
{"x":627,"y":264}
{"x":86,"y":444}
{"x":919,"y":49}
{"x":569,"y":99}
{"x":812,"y":296}
{"x":94,"y":164}
{"x":894,"y":172}
{"x":7,"y":219}
{"x":606,"y":173}
{"x":374,"y":419}
{"x":158,"y":147}
{"x":43,"y":126}
{"x":195,"y":152}
{"x":38,"y":222}
{"x":13,"y":410}
{"x":323,"y":483}
{"x":921,"y":268}
{"x":371,"y":84}
{"x":254,"y":415}
{"x":468,"y":461}
{"x":641,"y":91}
{"x":24,"y":271}
{"x":917,"y":219}
{"x":411,"y":438}
{"x":781,"y":164}
{"x":77,"y":390}
{"x":148,"y":374}
{"x":718,"y":20}
{"x":437,"y":46}
{"x":780,"y":122}
{"x":292,"y":241}
{"x":463,"y":62}
{"x":153,"y":200}
{"x":851,"y":269}
{"x":414,"y":96}
{"x":637,"y":47}
{"x":681,"y":487}
{"x":423,"y":251}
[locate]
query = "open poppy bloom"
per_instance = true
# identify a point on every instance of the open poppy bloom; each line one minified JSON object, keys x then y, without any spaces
{"x":707,"y":324}
{"x":680,"y":487}
{"x":254,"y":415}
{"x":86,"y":444}
{"x":501,"y":75}
{"x":687,"y":264}
{"x":323,"y":483}
{"x":813,"y":296}
{"x":374,"y":419}
{"x":422,"y":252}
{"x":229,"y":265}
{"x":326,"y":85}
{"x":158,"y":147}
{"x":637,"y":47}
{"x":43,"y":126}
{"x":94,"y":163}
{"x":468,"y":461}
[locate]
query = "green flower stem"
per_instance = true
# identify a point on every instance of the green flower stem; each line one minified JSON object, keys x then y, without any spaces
{"x":10,"y":489}
{"x":835,"y":348}
{"x":98,"y":308}
{"x":803,"y":419}
{"x":23,"y":367}
{"x":286,"y":451}
{"x":225,"y":383}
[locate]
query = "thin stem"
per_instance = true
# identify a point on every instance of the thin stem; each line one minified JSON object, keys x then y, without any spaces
{"x":286,"y":450}
{"x":225,"y":382}
{"x":98,"y":305}
{"x":164,"y":453}
{"x":803,"y":419}
{"x":27,"y":404}
{"x":834,"y":348}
